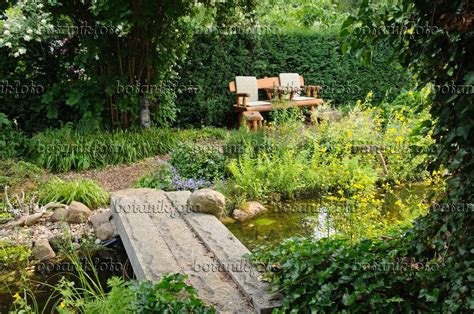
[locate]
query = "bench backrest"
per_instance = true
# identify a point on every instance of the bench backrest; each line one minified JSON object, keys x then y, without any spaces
{"x":266,"y":82}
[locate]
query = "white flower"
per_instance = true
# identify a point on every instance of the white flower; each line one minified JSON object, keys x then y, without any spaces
{"x":9,"y":45}
{"x":29,"y":31}
{"x":27,"y":38}
{"x":22,"y":50}
{"x":97,"y":57}
{"x":40,"y":6}
{"x":7,"y":32}
{"x":16,"y":54}
{"x":43,"y":21}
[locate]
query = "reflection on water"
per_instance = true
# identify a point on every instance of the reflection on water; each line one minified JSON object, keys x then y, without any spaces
{"x":310,"y":217}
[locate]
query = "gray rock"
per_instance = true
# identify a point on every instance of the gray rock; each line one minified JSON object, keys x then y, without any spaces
{"x":248,"y":210}
{"x":103,"y":227}
{"x":58,"y":215}
{"x":42,"y":250}
{"x":75,"y":213}
{"x":207,"y":201}
{"x":101,"y":218}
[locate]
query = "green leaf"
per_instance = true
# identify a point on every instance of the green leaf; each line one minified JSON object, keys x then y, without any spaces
{"x":348,"y":299}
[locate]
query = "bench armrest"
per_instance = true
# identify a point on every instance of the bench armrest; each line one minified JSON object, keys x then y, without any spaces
{"x":312,"y":91}
{"x":244,"y":97}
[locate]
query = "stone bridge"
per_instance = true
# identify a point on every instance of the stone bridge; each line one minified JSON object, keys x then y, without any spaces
{"x":162,"y":236}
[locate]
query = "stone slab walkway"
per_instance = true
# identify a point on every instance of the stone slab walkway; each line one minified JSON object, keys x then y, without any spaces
{"x":161,"y":236}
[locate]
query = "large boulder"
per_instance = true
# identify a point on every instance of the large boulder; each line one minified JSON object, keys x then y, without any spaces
{"x":103,"y":227}
{"x":248,"y":210}
{"x":42,"y":250}
{"x":75,"y":213}
{"x":207,"y":201}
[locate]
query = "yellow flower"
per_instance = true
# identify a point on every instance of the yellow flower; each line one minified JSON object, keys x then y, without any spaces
{"x":370,"y":94}
{"x":17,"y":297}
{"x":359,"y":102}
{"x":410,"y":31}
{"x":62,"y":304}
{"x":323,"y":149}
{"x":399,"y":139}
{"x":349,"y":133}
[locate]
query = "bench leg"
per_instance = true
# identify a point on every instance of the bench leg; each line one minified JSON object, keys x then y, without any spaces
{"x":240,"y":116}
{"x":312,"y":115}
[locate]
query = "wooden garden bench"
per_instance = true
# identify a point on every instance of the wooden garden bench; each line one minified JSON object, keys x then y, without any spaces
{"x":280,"y":92}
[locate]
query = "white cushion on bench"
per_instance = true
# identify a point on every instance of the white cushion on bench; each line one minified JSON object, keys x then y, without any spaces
{"x":298,"y":98}
{"x":258,"y":103}
{"x":247,"y":84}
{"x":289,"y":79}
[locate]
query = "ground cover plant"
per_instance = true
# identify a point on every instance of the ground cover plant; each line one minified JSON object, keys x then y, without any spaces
{"x":198,"y":161}
{"x":166,"y":177}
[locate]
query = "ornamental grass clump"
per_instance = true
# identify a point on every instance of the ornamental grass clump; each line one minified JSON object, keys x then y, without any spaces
{"x":85,"y":191}
{"x":65,"y":149}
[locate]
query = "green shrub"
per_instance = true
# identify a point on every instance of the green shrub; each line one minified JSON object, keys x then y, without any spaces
{"x":205,"y":133}
{"x":85,"y":191}
{"x":315,"y":53}
{"x":65,"y":149}
{"x":198,"y":161}
{"x":239,"y":141}
{"x":13,"y":173}
{"x":334,"y":276}
{"x":171,"y":294}
{"x":12,"y":141}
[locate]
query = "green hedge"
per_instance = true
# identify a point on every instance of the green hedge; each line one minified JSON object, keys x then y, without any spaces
{"x":214,"y":60}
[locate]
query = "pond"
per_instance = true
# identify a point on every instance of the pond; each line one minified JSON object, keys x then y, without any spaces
{"x":311,"y":217}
